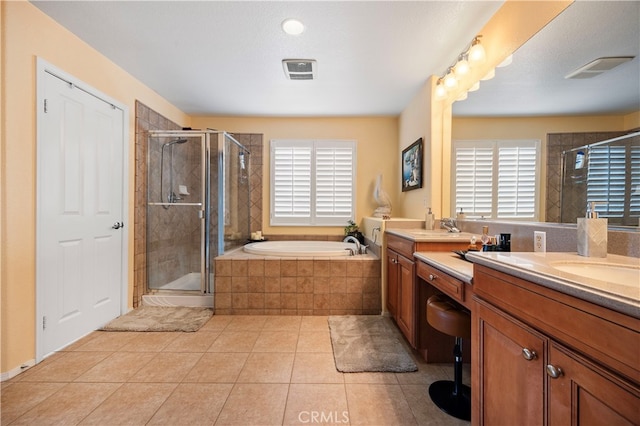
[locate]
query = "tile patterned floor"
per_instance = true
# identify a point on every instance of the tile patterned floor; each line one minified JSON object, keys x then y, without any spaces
{"x":236,"y":370}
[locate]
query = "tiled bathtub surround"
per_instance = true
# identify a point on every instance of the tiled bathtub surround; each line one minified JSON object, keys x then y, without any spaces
{"x":251,"y":284}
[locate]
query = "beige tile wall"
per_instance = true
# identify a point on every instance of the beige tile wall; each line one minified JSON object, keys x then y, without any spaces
{"x":249,"y":284}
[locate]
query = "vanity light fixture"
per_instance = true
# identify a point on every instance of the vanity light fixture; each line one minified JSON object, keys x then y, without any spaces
{"x":462,"y":67}
{"x":441,"y":91}
{"x":476,"y":51}
{"x":474,"y":54}
{"x":475,"y":87}
{"x":292,"y":26}
{"x":450,"y":80}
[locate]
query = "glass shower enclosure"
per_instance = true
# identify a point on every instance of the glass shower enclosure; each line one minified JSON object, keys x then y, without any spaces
{"x":197,"y":207}
{"x":606,"y":173}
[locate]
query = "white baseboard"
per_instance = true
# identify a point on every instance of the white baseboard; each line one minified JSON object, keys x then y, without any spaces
{"x":13,"y":373}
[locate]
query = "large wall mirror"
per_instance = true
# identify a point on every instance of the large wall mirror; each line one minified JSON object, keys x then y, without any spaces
{"x":595,"y":105}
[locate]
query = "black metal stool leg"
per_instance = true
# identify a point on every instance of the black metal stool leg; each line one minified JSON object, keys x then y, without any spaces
{"x":454,"y":398}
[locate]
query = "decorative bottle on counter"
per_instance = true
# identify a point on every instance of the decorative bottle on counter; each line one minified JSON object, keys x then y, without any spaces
{"x":429,"y":220}
{"x":592,"y":234}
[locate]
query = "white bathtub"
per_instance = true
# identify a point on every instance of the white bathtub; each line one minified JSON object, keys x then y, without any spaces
{"x":300,"y":248}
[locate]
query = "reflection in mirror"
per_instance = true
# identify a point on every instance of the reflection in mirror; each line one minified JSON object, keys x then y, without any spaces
{"x":535,"y":86}
{"x":606,"y":173}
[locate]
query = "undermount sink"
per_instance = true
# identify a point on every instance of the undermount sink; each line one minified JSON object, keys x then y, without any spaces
{"x":628,"y":275}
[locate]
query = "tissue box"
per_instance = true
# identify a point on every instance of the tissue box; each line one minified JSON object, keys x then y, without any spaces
{"x":592,"y":237}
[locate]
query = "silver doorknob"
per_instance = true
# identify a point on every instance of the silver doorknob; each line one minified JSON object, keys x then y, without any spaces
{"x":528,"y":354}
{"x":118,"y":225}
{"x":554,"y":372}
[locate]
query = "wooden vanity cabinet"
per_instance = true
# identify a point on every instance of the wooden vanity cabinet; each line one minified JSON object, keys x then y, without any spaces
{"x":401,"y":288}
{"x":544,"y":357}
{"x":403,"y":301}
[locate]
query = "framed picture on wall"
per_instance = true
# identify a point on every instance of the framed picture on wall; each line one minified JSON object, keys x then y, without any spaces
{"x":412,"y":166}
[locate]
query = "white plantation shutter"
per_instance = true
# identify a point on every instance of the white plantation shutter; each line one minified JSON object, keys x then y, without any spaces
{"x":474,"y":179}
{"x":292,"y":181}
{"x":517,"y":165}
{"x":496,"y":179}
{"x":614,"y":180}
{"x":312,"y":182}
{"x":634,"y":190}
{"x":334,"y":182}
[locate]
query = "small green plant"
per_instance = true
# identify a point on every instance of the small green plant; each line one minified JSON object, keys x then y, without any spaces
{"x":350,"y":228}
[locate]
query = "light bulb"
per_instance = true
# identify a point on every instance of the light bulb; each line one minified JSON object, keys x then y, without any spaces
{"x":450,"y":80}
{"x":476,"y":52}
{"x":441,"y":91}
{"x":461,"y":68}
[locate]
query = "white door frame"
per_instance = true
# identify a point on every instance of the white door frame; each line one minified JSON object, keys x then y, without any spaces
{"x":43,"y":67}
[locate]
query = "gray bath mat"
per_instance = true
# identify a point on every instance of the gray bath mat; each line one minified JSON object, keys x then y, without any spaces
{"x":161,"y":318}
{"x":368,"y":343}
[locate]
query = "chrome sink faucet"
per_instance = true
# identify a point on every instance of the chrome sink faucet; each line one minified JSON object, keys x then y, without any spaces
{"x":449,"y":224}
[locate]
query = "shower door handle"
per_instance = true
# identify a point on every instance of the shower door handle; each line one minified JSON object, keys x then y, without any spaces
{"x":118,"y":225}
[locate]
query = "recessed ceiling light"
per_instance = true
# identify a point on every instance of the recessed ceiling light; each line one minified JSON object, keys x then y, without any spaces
{"x":292,"y":26}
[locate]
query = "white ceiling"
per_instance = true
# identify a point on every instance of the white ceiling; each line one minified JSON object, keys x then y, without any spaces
{"x":224,"y":58}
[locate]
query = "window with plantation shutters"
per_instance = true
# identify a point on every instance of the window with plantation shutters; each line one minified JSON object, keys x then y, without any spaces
{"x":613,"y":181}
{"x":312,"y":182}
{"x":496,"y":179}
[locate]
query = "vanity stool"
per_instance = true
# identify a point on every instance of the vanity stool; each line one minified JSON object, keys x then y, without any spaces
{"x":452,"y":397}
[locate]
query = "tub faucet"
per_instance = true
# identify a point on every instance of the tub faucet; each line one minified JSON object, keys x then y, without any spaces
{"x":352,"y":239}
{"x":449,"y":224}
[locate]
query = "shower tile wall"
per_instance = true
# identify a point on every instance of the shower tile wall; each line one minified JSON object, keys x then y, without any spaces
{"x":148,"y":119}
{"x":556,"y":143}
{"x":254,"y":143}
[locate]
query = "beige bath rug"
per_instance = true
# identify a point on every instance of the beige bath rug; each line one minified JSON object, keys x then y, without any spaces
{"x":161,"y":318}
{"x":368,"y":343}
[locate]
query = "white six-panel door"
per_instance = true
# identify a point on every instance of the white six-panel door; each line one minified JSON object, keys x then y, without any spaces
{"x":80,"y":211}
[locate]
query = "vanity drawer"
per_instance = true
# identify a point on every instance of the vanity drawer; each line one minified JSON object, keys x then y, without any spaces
{"x":401,"y":245}
{"x":445,"y":283}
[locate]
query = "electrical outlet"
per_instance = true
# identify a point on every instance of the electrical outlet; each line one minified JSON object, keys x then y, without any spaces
{"x":539,"y":241}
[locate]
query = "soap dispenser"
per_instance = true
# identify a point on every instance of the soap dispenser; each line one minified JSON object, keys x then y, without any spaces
{"x":592,"y":234}
{"x":429,"y":220}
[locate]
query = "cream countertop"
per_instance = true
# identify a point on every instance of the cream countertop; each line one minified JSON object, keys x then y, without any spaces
{"x":449,"y":263}
{"x":437,"y":235}
{"x":618,"y":290}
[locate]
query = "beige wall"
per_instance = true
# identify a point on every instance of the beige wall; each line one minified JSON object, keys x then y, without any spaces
{"x":27,"y":34}
{"x":377,"y":143}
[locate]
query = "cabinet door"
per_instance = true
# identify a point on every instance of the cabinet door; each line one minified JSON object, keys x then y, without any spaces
{"x":585,"y":394}
{"x":392,"y":283}
{"x":406,"y":318}
{"x":511,"y":367}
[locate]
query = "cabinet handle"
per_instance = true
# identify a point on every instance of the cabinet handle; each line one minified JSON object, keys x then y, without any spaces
{"x":554,"y":372}
{"x":394,"y":261}
{"x":528,"y":354}
{"x":432,"y":277}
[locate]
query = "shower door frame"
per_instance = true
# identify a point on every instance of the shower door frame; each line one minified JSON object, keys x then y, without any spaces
{"x":222,"y":175}
{"x":203,"y":213}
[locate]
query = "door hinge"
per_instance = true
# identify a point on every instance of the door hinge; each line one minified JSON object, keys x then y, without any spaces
{"x":45,"y":106}
{"x":44,"y":322}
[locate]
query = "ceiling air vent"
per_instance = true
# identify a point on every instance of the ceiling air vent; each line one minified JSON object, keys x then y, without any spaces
{"x":299,"y":69}
{"x":598,"y":66}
